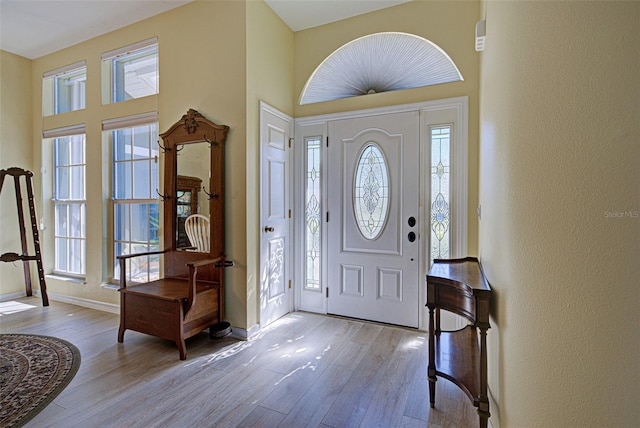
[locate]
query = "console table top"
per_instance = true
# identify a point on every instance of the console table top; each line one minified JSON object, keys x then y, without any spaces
{"x":467,"y":271}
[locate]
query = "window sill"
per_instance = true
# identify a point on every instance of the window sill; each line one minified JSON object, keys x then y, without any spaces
{"x":110,"y":286}
{"x":65,"y":278}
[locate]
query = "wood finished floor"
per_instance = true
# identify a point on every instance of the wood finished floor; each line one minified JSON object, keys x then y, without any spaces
{"x":305,"y":370}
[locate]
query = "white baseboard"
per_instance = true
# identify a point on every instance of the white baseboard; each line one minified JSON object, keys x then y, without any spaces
{"x":243,"y":334}
{"x":253,"y":331}
{"x":12,"y":296}
{"x":79,"y":301}
{"x":238,"y":333}
{"x":493,"y":409}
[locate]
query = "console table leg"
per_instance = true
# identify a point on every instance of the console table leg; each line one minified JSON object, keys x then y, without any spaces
{"x":432,"y":390}
{"x":484,"y":414}
{"x":432,"y":360}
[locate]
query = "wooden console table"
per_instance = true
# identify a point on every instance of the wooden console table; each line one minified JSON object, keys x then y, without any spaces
{"x":459,"y":286}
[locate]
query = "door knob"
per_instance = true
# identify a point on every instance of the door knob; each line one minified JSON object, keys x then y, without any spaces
{"x":269,"y":229}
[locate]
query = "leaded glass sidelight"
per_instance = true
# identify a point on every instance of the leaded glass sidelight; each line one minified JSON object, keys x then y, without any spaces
{"x":312,"y":214}
{"x":440,"y":209}
{"x":371,"y":192}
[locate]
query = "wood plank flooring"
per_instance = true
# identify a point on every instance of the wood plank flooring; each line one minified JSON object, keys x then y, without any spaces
{"x":305,"y":370}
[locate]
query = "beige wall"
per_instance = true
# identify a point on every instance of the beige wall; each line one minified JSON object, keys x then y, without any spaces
{"x":269,"y":79}
{"x":448,"y":24}
{"x":559,"y":159}
{"x":16,"y":149}
{"x":202,"y":63}
{"x":222,"y":58}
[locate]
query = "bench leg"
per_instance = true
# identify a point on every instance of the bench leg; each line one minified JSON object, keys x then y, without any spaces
{"x":182,"y":348}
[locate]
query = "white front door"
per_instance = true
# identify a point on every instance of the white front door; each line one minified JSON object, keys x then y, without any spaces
{"x":275,"y":215}
{"x":373,"y":228}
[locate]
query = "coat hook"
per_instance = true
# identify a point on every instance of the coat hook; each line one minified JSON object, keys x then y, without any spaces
{"x":164,"y":149}
{"x":163,"y":197}
{"x":210,"y":195}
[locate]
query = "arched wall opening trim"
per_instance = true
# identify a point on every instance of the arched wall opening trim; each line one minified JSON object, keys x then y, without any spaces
{"x":379,"y":62}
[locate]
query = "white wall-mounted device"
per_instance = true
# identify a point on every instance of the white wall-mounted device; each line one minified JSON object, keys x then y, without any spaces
{"x":481,"y":32}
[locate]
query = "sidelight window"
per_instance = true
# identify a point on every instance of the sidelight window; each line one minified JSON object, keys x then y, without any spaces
{"x":313,"y":223}
{"x":440,"y":204}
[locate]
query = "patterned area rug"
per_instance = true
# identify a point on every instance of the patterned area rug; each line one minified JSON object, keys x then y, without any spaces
{"x":33,"y":371}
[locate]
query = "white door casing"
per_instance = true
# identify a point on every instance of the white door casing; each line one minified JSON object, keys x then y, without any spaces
{"x":373,"y":267}
{"x":276,"y":129}
{"x":452,"y":111}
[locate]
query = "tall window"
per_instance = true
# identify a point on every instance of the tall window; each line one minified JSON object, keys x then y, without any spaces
{"x":440,"y":204}
{"x":64,"y":89}
{"x":312,"y":214}
{"x":130,"y":72}
{"x":70,"y":203}
{"x":136,"y":211}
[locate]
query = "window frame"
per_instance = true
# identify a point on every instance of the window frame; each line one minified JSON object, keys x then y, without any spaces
{"x":313,"y":143}
{"x":130,"y":199}
{"x":51,"y":80}
{"x":448,"y":170}
{"x":68,"y":202}
{"x":112,"y":91}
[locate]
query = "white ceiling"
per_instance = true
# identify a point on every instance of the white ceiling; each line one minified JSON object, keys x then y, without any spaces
{"x":302,"y":14}
{"x":33,"y":28}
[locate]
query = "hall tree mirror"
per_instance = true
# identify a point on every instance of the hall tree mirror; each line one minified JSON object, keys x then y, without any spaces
{"x":193,"y":172}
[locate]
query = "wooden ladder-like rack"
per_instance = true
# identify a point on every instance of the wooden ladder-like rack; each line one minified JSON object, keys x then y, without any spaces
{"x":16,"y":173}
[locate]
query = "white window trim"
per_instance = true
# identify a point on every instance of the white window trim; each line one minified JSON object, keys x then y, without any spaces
{"x":459,"y":164}
{"x":66,"y":69}
{"x":130,"y":121}
{"x":109,"y":125}
{"x":129,"y":48}
{"x":52,"y":134}
{"x":66,"y":131}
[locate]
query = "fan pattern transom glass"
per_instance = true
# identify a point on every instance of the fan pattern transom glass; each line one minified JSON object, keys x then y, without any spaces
{"x":380,"y":62}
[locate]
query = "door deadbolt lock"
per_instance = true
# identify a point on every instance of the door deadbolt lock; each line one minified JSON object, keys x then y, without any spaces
{"x":269,"y":229}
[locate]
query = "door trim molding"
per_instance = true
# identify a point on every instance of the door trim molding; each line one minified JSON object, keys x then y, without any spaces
{"x":424,"y":105}
{"x":460,"y":156}
{"x":289,"y":269}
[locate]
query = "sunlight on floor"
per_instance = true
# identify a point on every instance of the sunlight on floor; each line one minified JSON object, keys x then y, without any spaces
{"x":240,"y":346}
{"x":12,"y":307}
{"x":416,"y":343}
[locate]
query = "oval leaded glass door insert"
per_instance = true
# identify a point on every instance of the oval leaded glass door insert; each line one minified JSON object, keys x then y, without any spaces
{"x":371,"y":192}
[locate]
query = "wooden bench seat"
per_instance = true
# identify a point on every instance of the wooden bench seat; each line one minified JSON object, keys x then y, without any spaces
{"x":170,"y":308}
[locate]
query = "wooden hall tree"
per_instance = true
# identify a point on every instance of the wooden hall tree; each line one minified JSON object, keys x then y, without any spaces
{"x":190,"y":296}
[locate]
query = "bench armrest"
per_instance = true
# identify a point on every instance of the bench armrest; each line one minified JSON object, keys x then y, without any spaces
{"x":123,"y":264}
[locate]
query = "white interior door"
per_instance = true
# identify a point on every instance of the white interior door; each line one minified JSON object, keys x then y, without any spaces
{"x":373,"y":227}
{"x":275,"y":215}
